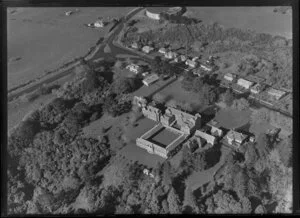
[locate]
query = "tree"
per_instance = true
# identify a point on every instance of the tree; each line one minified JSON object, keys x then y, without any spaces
{"x":262,"y":146}
{"x":124,"y":85}
{"x":227,"y":98}
{"x":197,"y":85}
{"x":240,"y":104}
{"x":285,"y":151}
{"x":174,"y":202}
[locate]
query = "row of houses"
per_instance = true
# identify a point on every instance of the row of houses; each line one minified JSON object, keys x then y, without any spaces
{"x":254,"y":87}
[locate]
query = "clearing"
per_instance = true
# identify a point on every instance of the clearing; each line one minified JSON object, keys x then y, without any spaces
{"x":232,"y":118}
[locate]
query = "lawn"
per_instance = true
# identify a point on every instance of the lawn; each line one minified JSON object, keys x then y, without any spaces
{"x":175,"y":92}
{"x":232,"y":118}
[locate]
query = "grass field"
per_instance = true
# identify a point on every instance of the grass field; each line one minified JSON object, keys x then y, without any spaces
{"x":175,"y":92}
{"x":259,"y":19}
{"x":40,"y":39}
{"x":231,"y":118}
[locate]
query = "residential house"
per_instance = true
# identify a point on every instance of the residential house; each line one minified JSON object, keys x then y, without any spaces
{"x":215,"y":128}
{"x":150,"y":79}
{"x":244,"y":83}
{"x":275,"y":93}
{"x":171,"y":55}
{"x":235,"y":139}
{"x":134,"y":68}
{"x":147,"y":49}
{"x":162,"y":50}
{"x":135,"y":45}
{"x":256,"y":89}
{"x":191,"y":63}
{"x":229,"y":77}
{"x":99,"y":23}
{"x":206,"y":67}
{"x":195,"y":58}
{"x":183,"y":58}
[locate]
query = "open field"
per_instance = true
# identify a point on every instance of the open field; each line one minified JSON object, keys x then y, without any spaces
{"x":232,"y":118}
{"x":41,"y":39}
{"x":175,"y":92}
{"x":246,"y":18}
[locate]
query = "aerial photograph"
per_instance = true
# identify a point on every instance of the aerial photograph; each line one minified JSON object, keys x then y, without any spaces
{"x":149,"y":110}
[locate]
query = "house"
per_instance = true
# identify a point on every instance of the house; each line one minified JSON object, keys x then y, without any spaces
{"x":244,"y":83}
{"x":215,"y":128}
{"x":256,"y":89}
{"x":191,"y":63}
{"x":145,"y":74}
{"x":195,"y":58}
{"x":162,"y":50}
{"x":135,"y":45}
{"x":206,"y":67}
{"x":229,"y":77}
{"x":176,"y":60}
{"x":183,"y":58}
{"x":275,"y":93}
{"x":134,"y":68}
{"x":150,"y":79}
{"x":235,"y":139}
{"x":147,"y":49}
{"x":99,"y":23}
{"x":171,"y":55}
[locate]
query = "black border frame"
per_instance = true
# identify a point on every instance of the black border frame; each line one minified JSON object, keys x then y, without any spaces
{"x":102,"y":3}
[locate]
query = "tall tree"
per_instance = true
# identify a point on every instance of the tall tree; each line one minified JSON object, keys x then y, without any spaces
{"x":174,"y":202}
